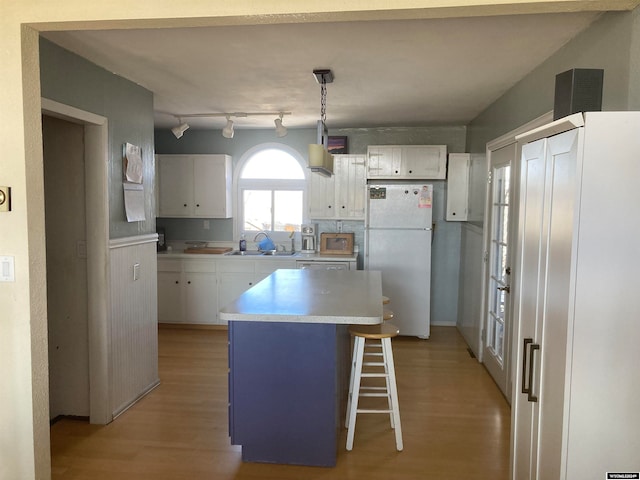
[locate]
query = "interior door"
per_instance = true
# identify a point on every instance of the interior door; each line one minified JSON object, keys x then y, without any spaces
{"x":499,"y":220}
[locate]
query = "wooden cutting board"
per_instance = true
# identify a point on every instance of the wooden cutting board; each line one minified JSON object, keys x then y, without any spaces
{"x":208,"y":250}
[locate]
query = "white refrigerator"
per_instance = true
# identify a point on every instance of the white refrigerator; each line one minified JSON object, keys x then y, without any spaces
{"x":398,"y":231}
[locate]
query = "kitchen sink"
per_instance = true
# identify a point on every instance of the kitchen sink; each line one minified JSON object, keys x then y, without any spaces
{"x":255,"y":253}
{"x":278,"y":254}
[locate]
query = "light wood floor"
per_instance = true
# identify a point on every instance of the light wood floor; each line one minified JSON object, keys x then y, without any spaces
{"x":454,"y":419}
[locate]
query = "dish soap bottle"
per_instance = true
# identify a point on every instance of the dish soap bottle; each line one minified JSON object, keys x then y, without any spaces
{"x":243,"y":243}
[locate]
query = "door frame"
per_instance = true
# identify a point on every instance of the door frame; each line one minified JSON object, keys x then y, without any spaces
{"x":96,"y":154}
{"x":496,"y":144}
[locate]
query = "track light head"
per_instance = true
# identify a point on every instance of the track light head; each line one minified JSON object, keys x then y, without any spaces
{"x":281,"y":130}
{"x":227,"y":131}
{"x":179,"y":130}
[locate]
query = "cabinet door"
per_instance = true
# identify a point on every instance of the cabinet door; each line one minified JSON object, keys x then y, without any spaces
{"x":458,"y":187}
{"x":232,"y":285}
{"x":424,"y":162}
{"x":350,"y":186}
{"x":321,"y":196}
{"x":201,"y":298}
{"x":212,"y":186}
{"x":175,"y":186}
{"x":170,"y":297}
{"x":548,"y":192}
{"x":384,"y":161}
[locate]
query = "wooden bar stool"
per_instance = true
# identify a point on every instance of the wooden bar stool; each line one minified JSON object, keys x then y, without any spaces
{"x":383,"y":368}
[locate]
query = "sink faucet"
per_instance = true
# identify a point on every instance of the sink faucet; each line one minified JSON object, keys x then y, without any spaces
{"x":261,"y":233}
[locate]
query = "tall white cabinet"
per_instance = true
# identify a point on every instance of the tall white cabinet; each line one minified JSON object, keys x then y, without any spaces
{"x":575,"y":410}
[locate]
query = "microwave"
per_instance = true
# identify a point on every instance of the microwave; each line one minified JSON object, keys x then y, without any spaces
{"x":336,"y":244}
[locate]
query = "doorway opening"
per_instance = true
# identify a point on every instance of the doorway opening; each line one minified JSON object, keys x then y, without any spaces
{"x":77,"y":231}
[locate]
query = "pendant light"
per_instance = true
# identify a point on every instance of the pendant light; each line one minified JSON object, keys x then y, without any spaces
{"x":320,"y":160}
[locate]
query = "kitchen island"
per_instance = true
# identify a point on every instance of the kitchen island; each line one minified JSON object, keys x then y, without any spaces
{"x":289,"y":361}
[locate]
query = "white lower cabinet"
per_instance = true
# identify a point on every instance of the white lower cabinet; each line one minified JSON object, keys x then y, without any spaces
{"x":192,"y":290}
{"x":201,"y":301}
{"x":169,"y":296}
{"x":187,"y":291}
{"x":576,"y":303}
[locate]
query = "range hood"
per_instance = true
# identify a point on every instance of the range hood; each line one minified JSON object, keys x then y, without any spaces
{"x":320,"y":160}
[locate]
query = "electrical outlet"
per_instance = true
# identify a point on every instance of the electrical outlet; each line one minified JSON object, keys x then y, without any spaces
{"x":339,"y":226}
{"x":5,"y":199}
{"x":206,"y":225}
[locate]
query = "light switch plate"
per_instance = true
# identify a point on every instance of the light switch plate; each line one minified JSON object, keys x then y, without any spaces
{"x":5,"y":199}
{"x":7,"y":269}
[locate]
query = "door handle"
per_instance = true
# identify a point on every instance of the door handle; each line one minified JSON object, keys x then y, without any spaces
{"x":506,"y":288}
{"x":530,"y":396}
{"x":527,"y":375}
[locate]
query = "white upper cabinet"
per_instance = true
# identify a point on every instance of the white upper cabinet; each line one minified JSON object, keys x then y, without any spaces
{"x":341,"y":196}
{"x":406,"y":162}
{"x":194,"y":186}
{"x":458,"y":187}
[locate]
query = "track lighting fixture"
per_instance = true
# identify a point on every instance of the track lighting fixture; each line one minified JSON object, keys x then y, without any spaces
{"x":227,"y":131}
{"x":180,"y":129}
{"x":281,"y":130}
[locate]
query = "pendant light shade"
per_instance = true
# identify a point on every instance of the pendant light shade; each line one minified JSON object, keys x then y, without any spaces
{"x":227,"y":131}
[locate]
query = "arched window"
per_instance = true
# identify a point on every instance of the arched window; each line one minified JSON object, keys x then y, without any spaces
{"x":271,"y":192}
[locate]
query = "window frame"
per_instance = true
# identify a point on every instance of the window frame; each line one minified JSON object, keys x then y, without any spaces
{"x":240,"y":184}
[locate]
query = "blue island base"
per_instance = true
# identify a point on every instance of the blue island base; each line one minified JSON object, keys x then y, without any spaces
{"x":287,"y":390}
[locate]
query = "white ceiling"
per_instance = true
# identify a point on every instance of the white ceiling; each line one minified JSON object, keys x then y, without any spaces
{"x":387,"y":73}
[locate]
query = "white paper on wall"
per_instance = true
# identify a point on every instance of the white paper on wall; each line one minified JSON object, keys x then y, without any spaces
{"x":133,"y":163}
{"x":134,"y":202}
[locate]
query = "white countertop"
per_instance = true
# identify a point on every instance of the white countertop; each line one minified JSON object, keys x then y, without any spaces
{"x":296,"y":256}
{"x":311,"y":296}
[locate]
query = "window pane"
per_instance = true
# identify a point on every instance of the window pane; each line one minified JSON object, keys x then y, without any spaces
{"x":272,"y":164}
{"x":288,"y":210}
{"x":257,"y":210}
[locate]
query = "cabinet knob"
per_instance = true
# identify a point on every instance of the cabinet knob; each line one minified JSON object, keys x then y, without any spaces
{"x":189,"y":282}
{"x":184,"y":205}
{"x":197,"y":204}
{"x":410,"y":171}
{"x":177,"y":282}
{"x":329,"y":206}
{"x":343,"y":206}
{"x":250,"y":283}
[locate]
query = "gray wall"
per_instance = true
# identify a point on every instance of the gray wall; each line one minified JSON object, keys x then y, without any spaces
{"x":446,"y":242}
{"x":72,"y":80}
{"x":608,"y":44}
{"x":612,"y":43}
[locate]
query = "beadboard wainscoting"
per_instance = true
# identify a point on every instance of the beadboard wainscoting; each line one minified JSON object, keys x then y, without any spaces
{"x":134,"y":324}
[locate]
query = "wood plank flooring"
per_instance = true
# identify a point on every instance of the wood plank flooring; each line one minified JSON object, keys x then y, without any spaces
{"x":455,"y":422}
